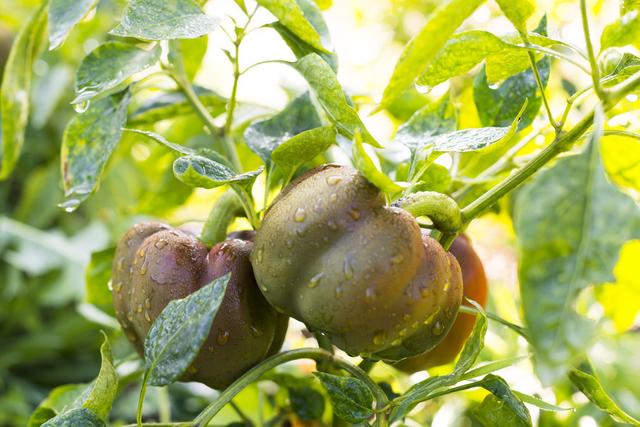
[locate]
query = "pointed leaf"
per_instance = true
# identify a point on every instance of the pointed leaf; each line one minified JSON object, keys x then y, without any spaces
{"x":625,"y":31}
{"x":63,"y":16}
{"x":76,"y":417}
{"x":293,"y":18}
{"x":433,"y":119}
{"x":304,"y":147}
{"x":200,"y":171}
{"x":517,"y":11}
{"x":87,"y":144}
{"x":105,"y":386}
{"x":351,"y":399}
{"x":176,"y":336}
{"x":365,"y":165}
{"x":109,"y":65}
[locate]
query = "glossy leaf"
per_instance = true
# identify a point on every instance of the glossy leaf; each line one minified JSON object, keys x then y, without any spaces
{"x":299,"y":47}
{"x":307,"y":403}
{"x":590,"y":387}
{"x":304,"y":147}
{"x":627,"y":6}
{"x":188,"y":54}
{"x":200,"y":171}
{"x":365,"y":165}
{"x":517,"y":11}
{"x":472,"y":139}
{"x":76,"y":417}
{"x":493,"y":412}
{"x":351,"y":399}
{"x":324,"y":83}
{"x":291,"y":15}
{"x":59,"y":399}
{"x":507,"y":406}
{"x":63,"y":16}
{"x":265,"y":136}
{"x":164,"y":20}
{"x":431,"y":120}
{"x":109,"y":65}
{"x":173,"y":104}
{"x":177,"y":334}
{"x":421,"y":391}
{"x":87,"y":144}
{"x":423,"y":47}
{"x":104,"y":388}
{"x":625,"y":31}
{"x":15,"y":90}
{"x":460,"y":54}
{"x":571,"y":223}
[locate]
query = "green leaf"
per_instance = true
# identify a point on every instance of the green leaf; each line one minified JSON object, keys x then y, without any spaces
{"x":97,"y":276}
{"x":472,"y":139}
{"x":506,"y":408}
{"x":423,"y":48}
{"x":422,"y":390}
{"x":87,"y":144}
{"x":304,"y":147}
{"x":531,"y":400}
{"x":59,"y":400}
{"x":460,"y":54}
{"x":307,"y":403}
{"x":200,"y":171}
{"x":365,"y":165}
{"x":265,"y":136}
{"x":625,"y":31}
{"x":517,"y":11}
{"x":351,"y":398}
{"x":75,"y":417}
{"x":188,"y":54}
{"x":435,"y":178}
{"x":627,"y":6}
{"x":15,"y":90}
{"x":177,"y":334}
{"x":242,"y":5}
{"x":291,"y":15}
{"x":324,"y":83}
{"x":164,"y":20}
{"x":590,"y":387}
{"x":63,"y":16}
{"x":431,"y":120}
{"x":109,"y":65}
{"x":299,"y":47}
{"x":173,"y":104}
{"x":104,"y":388}
{"x":571,"y":223}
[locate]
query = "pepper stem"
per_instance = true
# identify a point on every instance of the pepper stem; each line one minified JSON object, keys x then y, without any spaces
{"x":226,"y":209}
{"x":441,"y":209}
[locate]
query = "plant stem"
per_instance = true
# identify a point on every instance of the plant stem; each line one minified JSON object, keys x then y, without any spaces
{"x":536,"y":74}
{"x":143,"y":391}
{"x":441,"y":209}
{"x":164,"y":405}
{"x":241,"y":414}
{"x":595,"y":71}
{"x":246,"y":199}
{"x":306,"y":353}
{"x":226,"y":209}
{"x":556,"y":54}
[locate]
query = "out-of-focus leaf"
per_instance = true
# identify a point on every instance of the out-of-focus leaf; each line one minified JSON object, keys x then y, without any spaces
{"x":433,"y":119}
{"x":590,"y":387}
{"x":621,"y":300}
{"x":63,"y":16}
{"x":506,"y":407}
{"x":88,"y":142}
{"x":299,"y":47}
{"x":421,"y":391}
{"x":189,"y":53}
{"x":14,"y":92}
{"x":292,"y":16}
{"x":265,"y":136}
{"x":172,"y":104}
{"x":627,"y":6}
{"x":461,"y":53}
{"x":164,"y":20}
{"x":199,"y":171}
{"x":625,"y":31}
{"x":177,"y":334}
{"x":621,"y":156}
{"x":351,"y":399}
{"x":103,"y":390}
{"x":307,"y":403}
{"x":423,"y":47}
{"x":571,"y":223}
{"x":517,"y":11}
{"x":493,"y":412}
{"x":97,"y":276}
{"x":47,"y":92}
{"x":76,"y":417}
{"x":365,"y":165}
{"x":435,"y":178}
{"x":109,"y":65}
{"x":325,"y":85}
{"x":304,"y":147}
{"x":57,"y":401}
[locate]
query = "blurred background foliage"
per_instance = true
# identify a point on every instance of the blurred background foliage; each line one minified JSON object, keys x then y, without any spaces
{"x":49,"y":329}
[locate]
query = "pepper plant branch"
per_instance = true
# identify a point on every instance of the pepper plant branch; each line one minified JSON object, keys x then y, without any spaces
{"x":536,"y":74}
{"x":306,"y":353}
{"x":595,"y":71}
{"x":556,"y":54}
{"x":441,"y":209}
{"x":225,"y":210}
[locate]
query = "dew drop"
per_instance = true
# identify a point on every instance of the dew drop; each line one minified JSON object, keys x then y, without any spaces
{"x":263,"y":288}
{"x":370,"y":294}
{"x":424,"y":292}
{"x":81,"y":107}
{"x":161,"y":243}
{"x":379,"y":338}
{"x":333,"y":180}
{"x":120,"y":264}
{"x":147,"y":317}
{"x":289,"y":244}
{"x":348,"y":270}
{"x":110,"y":285}
{"x":259,"y":255}
{"x":143,"y":269}
{"x":139,"y":309}
{"x":403,"y":332}
{"x":332,"y":225}
{"x":118,"y":286}
{"x":339,"y":291}
{"x":130,"y":317}
{"x":446,"y":287}
{"x":210,"y":348}
{"x":406,"y":317}
{"x":415,"y":324}
{"x":223,"y":337}
{"x":333,"y":198}
{"x":141,"y":252}
{"x":315,"y":280}
{"x":147,"y":303}
{"x":397,"y":259}
{"x":255,"y":331}
{"x":300,"y":215}
{"x":396,"y":342}
{"x":438,"y":328}
{"x":354,"y":213}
